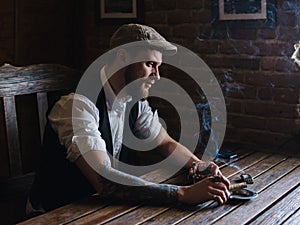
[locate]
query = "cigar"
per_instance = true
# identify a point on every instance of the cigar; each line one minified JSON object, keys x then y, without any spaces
{"x":236,"y":187}
{"x":232,"y":187}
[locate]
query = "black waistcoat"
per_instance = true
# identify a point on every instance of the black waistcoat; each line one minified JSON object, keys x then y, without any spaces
{"x":59,"y":181}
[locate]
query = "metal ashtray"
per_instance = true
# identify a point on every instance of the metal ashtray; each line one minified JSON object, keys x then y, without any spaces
{"x":238,"y":191}
{"x":243,"y":194}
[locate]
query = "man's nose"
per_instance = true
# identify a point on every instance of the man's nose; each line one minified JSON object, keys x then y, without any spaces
{"x":155,"y":73}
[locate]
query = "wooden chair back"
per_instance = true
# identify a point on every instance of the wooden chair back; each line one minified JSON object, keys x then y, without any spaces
{"x":25,"y":94}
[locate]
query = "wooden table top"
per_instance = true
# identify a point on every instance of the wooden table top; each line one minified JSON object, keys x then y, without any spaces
{"x":276,"y":179}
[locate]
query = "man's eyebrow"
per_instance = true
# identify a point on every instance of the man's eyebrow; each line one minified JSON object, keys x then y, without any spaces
{"x":154,"y":62}
{"x":157,"y":62}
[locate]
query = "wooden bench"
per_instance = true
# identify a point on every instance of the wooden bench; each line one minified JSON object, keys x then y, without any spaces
{"x":25,"y":94}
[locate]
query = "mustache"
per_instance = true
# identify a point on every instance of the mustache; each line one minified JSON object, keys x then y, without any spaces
{"x":150,"y":80}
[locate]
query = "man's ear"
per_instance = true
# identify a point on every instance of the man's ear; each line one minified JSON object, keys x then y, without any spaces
{"x":122,"y":56}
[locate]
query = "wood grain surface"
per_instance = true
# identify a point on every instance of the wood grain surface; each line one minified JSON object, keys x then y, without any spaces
{"x":276,"y":179}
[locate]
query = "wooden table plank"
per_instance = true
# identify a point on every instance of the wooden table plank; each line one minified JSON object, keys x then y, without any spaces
{"x":159,"y":176}
{"x":139,"y":215}
{"x":294,"y":219}
{"x":244,"y":163}
{"x":268,"y":171}
{"x":154,"y":176}
{"x":98,"y":217}
{"x":102,"y":216}
{"x":76,"y":210}
{"x":143,"y":213}
{"x":109,"y":213}
{"x":281,"y":211}
{"x":212,"y":213}
{"x":184,"y":211}
{"x":260,"y":165}
{"x":250,"y":210}
{"x":181,"y":212}
{"x":68,"y":212}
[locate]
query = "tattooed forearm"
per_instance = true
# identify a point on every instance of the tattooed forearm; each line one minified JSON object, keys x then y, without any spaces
{"x":133,"y":188}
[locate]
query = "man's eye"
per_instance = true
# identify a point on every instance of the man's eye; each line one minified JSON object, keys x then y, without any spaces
{"x":150,"y":64}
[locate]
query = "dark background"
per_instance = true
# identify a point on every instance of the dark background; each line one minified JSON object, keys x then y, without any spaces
{"x":260,"y":82}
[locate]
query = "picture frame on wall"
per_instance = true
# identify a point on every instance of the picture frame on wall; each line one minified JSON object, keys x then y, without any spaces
{"x":244,"y":13}
{"x":242,"y":10}
{"x":119,"y":11}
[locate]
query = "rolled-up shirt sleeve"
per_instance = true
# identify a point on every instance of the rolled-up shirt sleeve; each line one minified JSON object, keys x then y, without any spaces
{"x":147,"y":125}
{"x":76,"y":119}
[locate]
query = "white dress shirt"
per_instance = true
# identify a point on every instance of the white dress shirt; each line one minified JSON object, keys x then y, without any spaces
{"x":76,"y":120}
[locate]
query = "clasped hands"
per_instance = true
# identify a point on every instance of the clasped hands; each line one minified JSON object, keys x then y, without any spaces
{"x":205,"y":185}
{"x":200,"y":170}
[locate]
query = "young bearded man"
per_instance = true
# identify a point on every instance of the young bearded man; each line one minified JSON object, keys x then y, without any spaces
{"x":83,"y":144}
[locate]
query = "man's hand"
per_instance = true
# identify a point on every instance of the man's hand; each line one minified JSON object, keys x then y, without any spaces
{"x":204,"y":190}
{"x":200,"y":170}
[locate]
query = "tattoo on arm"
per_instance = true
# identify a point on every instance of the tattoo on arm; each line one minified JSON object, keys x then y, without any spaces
{"x":136,"y":189}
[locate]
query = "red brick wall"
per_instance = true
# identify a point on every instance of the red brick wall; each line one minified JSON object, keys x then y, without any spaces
{"x":263,"y":107}
{"x":263,"y":111}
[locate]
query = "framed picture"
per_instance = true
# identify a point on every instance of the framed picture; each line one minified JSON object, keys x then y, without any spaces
{"x":119,"y":11}
{"x":242,"y":10}
{"x":245,"y":13}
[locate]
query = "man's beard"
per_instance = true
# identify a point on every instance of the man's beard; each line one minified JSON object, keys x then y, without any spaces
{"x":136,"y":88}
